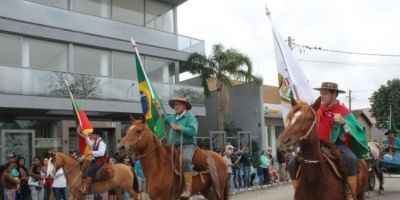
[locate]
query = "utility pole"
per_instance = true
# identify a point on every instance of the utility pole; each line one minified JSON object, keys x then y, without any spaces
{"x":290,"y":41}
{"x":350,"y":100}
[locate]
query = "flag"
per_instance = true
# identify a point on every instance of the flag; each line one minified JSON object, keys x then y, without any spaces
{"x":292,"y":81}
{"x":82,"y":123}
{"x":147,"y":94}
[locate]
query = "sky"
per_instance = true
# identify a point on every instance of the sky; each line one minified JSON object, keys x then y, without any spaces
{"x":359,"y":26}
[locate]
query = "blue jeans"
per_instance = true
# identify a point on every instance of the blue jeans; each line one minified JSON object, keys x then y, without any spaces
{"x":10,"y":194}
{"x":349,"y":156}
{"x":247,"y":178}
{"x":92,"y":169}
{"x":237,"y":179}
{"x":60,"y":193}
{"x":187,"y":156}
{"x":37,"y":193}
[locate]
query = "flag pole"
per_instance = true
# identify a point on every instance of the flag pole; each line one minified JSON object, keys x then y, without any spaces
{"x":133,"y":42}
{"x":72,"y":99}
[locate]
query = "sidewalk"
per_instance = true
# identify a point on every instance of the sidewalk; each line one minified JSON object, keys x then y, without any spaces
{"x":234,"y":191}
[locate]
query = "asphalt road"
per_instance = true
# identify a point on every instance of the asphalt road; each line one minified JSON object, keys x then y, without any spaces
{"x":285,"y":192}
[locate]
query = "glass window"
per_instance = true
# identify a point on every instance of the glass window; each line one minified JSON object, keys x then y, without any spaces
{"x":46,"y":55}
{"x":124,"y":66}
{"x":10,"y":50}
{"x":131,"y":11}
{"x":55,"y":3}
{"x":99,"y":8}
{"x":91,"y":61}
{"x":159,"y":16}
{"x":160,"y":70}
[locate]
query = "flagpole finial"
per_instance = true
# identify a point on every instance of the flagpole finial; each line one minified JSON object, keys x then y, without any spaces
{"x":133,"y":42}
{"x":66,"y":82}
{"x":267,"y":12}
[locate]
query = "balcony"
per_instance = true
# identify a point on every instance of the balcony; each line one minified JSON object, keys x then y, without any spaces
{"x":28,"y":81}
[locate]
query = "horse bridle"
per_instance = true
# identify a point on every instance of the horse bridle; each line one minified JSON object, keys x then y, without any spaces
{"x":304,"y":137}
{"x":138,"y":140}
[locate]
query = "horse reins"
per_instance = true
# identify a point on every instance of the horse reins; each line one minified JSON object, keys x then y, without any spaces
{"x":304,"y":137}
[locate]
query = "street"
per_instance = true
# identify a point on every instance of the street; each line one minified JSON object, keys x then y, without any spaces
{"x":285,"y":192}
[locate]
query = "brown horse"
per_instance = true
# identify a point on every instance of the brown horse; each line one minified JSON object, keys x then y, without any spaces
{"x":162,"y":183}
{"x":122,"y":179}
{"x":316,"y":179}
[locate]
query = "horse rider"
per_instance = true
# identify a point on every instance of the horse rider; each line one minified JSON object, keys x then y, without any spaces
{"x":183,"y":127}
{"x":391,"y":143}
{"x":98,"y":147}
{"x":337,"y":125}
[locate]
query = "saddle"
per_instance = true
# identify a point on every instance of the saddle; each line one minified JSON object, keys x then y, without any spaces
{"x":105,"y":172}
{"x":199,"y":161}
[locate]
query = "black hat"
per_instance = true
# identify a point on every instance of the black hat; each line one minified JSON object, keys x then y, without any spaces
{"x":390,"y":131}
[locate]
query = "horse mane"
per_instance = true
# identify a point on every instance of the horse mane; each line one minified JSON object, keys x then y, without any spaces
{"x":338,"y":158}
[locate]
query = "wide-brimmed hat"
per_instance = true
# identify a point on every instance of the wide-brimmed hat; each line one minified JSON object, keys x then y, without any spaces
{"x":329,"y":86}
{"x":180,"y":99}
{"x":390,"y":131}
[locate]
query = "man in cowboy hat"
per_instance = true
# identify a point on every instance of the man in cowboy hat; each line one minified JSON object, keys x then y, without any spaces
{"x":98,"y":150}
{"x":337,"y":125}
{"x":391,"y":143}
{"x":183,"y":127}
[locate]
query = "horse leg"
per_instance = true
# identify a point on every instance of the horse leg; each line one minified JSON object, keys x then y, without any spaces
{"x":379,"y":173}
{"x":133,"y":193}
{"x":209,"y":193}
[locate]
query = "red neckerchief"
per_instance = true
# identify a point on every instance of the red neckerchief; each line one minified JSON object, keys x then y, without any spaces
{"x":325,"y":119}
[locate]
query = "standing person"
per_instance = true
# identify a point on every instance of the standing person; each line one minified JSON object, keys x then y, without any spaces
{"x":9,"y":181}
{"x":264,"y":165}
{"x":36,"y":180}
{"x":98,"y":148}
{"x":228,"y":161}
{"x":282,"y":159}
{"x":127,"y":161}
{"x":337,"y":125}
{"x":246,"y":163}
{"x":235,"y":159}
{"x":183,"y":126}
{"x":23,"y":192}
{"x":48,"y":181}
{"x":60,"y":185}
{"x":140,"y":176}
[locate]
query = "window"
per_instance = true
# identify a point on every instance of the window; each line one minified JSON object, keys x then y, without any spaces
{"x":124,"y":66}
{"x":159,"y":16}
{"x":131,"y":11}
{"x":91,"y":61}
{"x":160,"y":70}
{"x":99,"y":8}
{"x":45,"y":55}
{"x":10,"y":50}
{"x":54,"y":3}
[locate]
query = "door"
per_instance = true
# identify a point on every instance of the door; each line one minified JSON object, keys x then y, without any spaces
{"x":19,"y":142}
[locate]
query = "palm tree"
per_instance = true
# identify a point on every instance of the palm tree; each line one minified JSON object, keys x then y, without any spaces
{"x":224,"y":65}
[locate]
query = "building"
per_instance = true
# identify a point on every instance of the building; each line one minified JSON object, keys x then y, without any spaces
{"x":43,"y":42}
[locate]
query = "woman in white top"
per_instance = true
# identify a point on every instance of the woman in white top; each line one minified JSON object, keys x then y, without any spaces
{"x":60,"y":185}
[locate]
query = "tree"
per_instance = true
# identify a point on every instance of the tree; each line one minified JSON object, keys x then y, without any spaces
{"x":224,"y":65}
{"x":387,"y":96}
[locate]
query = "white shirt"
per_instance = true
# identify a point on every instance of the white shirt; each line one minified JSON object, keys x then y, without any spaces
{"x":59,"y":179}
{"x":228,"y":161}
{"x":101,"y":151}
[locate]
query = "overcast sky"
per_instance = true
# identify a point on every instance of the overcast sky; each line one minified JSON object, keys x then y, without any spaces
{"x":361,"y":26}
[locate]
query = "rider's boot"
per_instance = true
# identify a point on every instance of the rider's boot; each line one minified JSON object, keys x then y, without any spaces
{"x":294,"y":184}
{"x":188,"y":186}
{"x":86,"y":186}
{"x":352,"y":181}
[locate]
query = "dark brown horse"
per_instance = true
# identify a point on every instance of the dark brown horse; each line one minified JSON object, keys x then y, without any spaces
{"x":316,"y":178}
{"x":162,"y":183}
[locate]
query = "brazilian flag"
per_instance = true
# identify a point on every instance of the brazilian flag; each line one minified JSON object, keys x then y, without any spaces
{"x":147,"y":93}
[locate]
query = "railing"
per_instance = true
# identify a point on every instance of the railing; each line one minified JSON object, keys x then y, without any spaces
{"x":28,"y":81}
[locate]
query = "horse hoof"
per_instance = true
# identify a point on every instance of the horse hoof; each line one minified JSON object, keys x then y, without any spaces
{"x":381,"y":191}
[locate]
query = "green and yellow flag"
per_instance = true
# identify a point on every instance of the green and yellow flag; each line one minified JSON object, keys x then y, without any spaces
{"x":147,"y":94}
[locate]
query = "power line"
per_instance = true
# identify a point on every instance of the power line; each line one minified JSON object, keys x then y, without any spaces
{"x":346,"y":52}
{"x":389,"y":65}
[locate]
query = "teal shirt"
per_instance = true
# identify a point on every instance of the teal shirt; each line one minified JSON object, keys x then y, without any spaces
{"x":189,"y":127}
{"x":264,"y":161}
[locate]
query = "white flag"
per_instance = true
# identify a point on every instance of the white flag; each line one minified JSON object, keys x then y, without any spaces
{"x":292,"y":81}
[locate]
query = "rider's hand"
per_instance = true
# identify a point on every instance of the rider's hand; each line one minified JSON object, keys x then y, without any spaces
{"x":175,"y":127}
{"x":156,"y":103}
{"x":338,"y":118}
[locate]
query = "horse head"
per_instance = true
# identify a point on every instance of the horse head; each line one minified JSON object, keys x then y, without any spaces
{"x":301,"y":121}
{"x":137,"y":137}
{"x":53,"y":165}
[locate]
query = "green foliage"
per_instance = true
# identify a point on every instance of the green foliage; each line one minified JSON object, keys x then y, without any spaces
{"x":381,"y":100}
{"x":223,"y":64}
{"x":231,"y":129}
